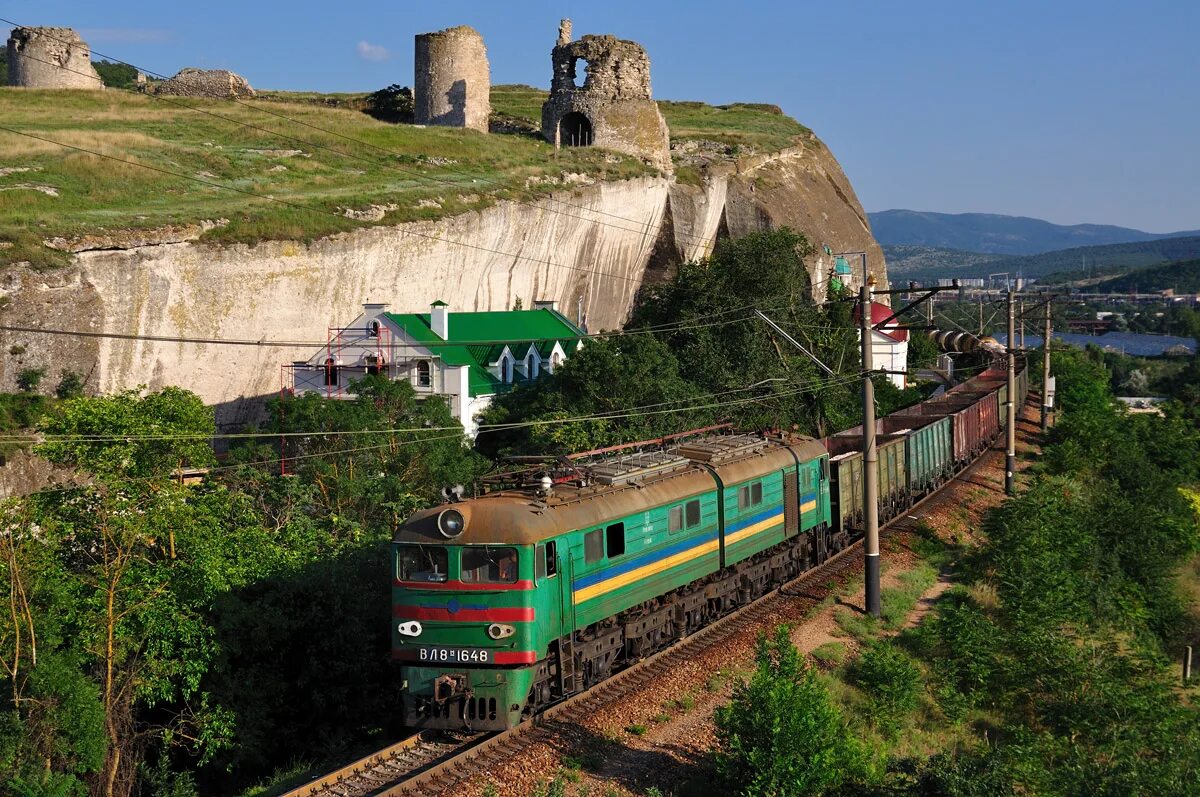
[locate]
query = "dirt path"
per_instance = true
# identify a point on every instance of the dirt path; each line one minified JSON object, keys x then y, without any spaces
{"x":662,"y":737}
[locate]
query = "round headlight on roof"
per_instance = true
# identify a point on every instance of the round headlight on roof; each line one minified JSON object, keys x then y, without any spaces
{"x":451,"y":523}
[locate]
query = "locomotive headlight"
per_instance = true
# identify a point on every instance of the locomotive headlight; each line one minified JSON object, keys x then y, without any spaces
{"x":451,"y":523}
{"x":411,"y":628}
{"x":500,"y":631}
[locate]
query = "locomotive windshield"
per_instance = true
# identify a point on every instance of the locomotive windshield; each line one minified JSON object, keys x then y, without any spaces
{"x":489,"y":565}
{"x":421,"y":563}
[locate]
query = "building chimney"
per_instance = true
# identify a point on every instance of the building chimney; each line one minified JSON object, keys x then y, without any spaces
{"x":372,"y":311}
{"x":564,"y":32}
{"x":439,"y":319}
{"x":545,"y":304}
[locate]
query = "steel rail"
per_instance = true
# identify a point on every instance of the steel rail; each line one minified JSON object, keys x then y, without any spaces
{"x":462,"y":766}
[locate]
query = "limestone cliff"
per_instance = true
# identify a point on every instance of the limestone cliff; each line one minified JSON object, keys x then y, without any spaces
{"x":289,"y":291}
{"x":801,"y":187}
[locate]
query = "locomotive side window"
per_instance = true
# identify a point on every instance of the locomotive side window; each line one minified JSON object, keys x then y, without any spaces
{"x":675,"y":519}
{"x":546,"y":560}
{"x":485,"y":564}
{"x":693,"y":513}
{"x":420,"y":563}
{"x":593,"y":547}
{"x":749,"y":495}
{"x":615,"y":539}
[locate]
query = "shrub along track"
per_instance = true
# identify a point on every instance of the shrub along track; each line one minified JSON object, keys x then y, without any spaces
{"x":440,"y":764}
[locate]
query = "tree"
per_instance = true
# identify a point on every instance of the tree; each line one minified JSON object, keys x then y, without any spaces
{"x":113,"y":584}
{"x":70,"y":385}
{"x":391,"y":104}
{"x":131,"y":435}
{"x":373,"y":460}
{"x":781,"y":733}
{"x":721,"y":345}
{"x":601,"y":382}
{"x":117,"y":76}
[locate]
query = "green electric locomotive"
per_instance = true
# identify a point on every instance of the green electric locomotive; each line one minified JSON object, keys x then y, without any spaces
{"x":513,"y":600}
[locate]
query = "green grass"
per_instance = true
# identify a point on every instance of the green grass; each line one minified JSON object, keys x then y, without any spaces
{"x":761,"y":128}
{"x":390,"y":166}
{"x":831,"y":654}
{"x":358,"y":163}
{"x":637,"y":729}
{"x":744,"y":127}
{"x":896,"y":602}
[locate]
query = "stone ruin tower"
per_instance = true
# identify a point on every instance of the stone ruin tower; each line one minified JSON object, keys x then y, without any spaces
{"x":452,"y":84}
{"x":611,"y":107}
{"x":50,"y":58}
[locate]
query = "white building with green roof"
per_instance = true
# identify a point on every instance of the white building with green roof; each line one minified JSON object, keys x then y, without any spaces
{"x":466,"y":357}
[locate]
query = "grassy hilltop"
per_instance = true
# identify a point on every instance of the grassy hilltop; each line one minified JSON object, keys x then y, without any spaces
{"x":408,"y":172}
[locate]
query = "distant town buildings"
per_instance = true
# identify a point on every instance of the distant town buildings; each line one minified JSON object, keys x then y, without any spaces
{"x":466,"y":357}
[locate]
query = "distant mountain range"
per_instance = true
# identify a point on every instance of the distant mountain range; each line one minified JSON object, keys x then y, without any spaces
{"x":907,"y":262}
{"x":990,"y":233}
{"x":1182,"y":277}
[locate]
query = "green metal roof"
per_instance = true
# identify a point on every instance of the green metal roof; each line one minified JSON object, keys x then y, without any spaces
{"x":478,"y":339}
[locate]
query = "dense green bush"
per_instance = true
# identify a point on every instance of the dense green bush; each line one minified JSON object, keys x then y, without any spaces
{"x":892,"y":680}
{"x":781,"y":733}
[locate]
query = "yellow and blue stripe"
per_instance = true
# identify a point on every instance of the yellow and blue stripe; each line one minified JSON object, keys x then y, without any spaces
{"x":636,"y":568}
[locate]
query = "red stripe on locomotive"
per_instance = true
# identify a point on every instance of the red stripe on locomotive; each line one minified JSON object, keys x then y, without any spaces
{"x":498,"y":614}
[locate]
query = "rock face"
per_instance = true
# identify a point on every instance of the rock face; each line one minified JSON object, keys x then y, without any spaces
{"x":802,"y":187}
{"x":613,"y":107}
{"x":594,"y":256}
{"x":216,"y":83}
{"x":50,"y":58}
{"x":452,"y":82}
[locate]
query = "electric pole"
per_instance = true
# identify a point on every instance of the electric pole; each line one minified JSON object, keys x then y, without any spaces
{"x":1010,"y":459}
{"x":1021,"y":315}
{"x":870,"y":455}
{"x":1046,"y":371}
{"x":981,"y":315}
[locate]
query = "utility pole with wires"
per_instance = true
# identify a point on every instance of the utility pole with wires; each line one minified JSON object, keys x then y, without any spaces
{"x":1010,"y":456}
{"x":1046,"y":371}
{"x":870,"y":455}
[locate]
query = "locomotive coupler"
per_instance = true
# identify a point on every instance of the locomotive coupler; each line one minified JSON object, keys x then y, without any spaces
{"x":449,"y":686}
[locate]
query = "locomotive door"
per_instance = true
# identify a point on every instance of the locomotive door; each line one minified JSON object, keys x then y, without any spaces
{"x":566,"y":592}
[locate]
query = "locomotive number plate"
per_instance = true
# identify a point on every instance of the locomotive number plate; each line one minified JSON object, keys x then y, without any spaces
{"x":441,"y":655}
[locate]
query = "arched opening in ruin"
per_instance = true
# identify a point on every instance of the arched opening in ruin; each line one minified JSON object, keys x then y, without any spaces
{"x":575,"y":130}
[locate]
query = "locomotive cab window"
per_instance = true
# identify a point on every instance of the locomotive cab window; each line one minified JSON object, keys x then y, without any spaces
{"x":675,"y":519}
{"x":546,"y":560}
{"x":593,"y":547}
{"x":421,"y":563}
{"x":485,"y":564}
{"x":615,"y":539}
{"x":693,"y":513}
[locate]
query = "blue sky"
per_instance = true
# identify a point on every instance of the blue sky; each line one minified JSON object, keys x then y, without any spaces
{"x":1064,"y":110}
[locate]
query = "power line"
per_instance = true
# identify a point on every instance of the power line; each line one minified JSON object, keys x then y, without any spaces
{"x":679,"y":326}
{"x":646,"y":409}
{"x":388,"y":152}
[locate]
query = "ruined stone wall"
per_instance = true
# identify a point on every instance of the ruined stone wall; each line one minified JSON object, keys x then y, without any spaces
{"x":452,"y":81}
{"x":216,"y":83}
{"x":615,"y":97}
{"x":50,"y":58}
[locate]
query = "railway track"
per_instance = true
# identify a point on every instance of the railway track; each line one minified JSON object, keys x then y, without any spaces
{"x":421,"y":765}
